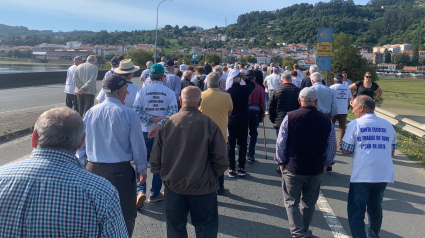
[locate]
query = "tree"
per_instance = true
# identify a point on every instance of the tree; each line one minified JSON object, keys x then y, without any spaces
{"x":387,"y":55}
{"x":422,"y":62}
{"x":176,"y":27}
{"x":250,"y":59}
{"x":415,"y":56}
{"x":348,"y":58}
{"x":139,"y":56}
{"x":168,"y":27}
{"x":401,"y":59}
{"x":211,"y":58}
{"x":288,"y":61}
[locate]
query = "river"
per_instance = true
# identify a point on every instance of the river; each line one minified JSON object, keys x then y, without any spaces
{"x":28,"y":68}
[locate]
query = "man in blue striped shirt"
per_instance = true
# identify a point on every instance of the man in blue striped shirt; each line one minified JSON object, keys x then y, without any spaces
{"x":50,"y":194}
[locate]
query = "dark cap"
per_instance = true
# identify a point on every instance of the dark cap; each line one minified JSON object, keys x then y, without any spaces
{"x":114,"y":82}
{"x":250,"y":72}
{"x":338,"y":76}
{"x":115,"y":61}
{"x":169,"y":63}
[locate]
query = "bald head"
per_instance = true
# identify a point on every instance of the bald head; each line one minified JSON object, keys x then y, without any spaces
{"x":190,"y":97}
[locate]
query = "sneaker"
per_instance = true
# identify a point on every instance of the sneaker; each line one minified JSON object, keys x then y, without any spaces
{"x":220,"y":191}
{"x":232,"y":174}
{"x":251,"y":159}
{"x":309,"y":234}
{"x":267,"y":113}
{"x":140,"y":202}
{"x":241,"y":172}
{"x":278,"y":170}
{"x":329,"y":168}
{"x":158,"y":198}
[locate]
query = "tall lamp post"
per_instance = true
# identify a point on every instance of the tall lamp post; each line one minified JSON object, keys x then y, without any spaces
{"x":156,"y":31}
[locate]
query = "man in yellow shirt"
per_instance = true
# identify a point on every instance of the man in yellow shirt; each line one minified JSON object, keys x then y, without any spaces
{"x":218,"y":106}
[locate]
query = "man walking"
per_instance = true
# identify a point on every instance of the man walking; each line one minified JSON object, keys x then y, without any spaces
{"x":50,"y":194}
{"x":171,"y":80}
{"x":343,"y":97}
{"x":207,"y":68}
{"x":183,"y":66}
{"x":112,"y":141}
{"x":114,"y":64}
{"x":305,"y":146}
{"x":199,"y":79}
{"x":127,"y":70}
{"x":71,"y":98}
{"x":238,"y":124}
{"x":259,"y":76}
{"x":271,"y":83}
{"x":85,"y":76}
{"x":345,"y":80}
{"x":185,"y":82}
{"x":190,"y":175}
{"x":154,"y":104}
{"x":306,"y":82}
{"x":257,"y":108}
{"x":327,"y":100}
{"x":218,"y":69}
{"x":300,"y":74}
{"x":218,"y":106}
{"x":372,"y":141}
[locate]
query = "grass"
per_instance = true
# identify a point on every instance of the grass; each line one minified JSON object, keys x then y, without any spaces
{"x":175,"y":46}
{"x":29,"y":63}
{"x":408,"y":92}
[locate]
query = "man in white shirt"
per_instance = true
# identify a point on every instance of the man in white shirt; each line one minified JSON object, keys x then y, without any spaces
{"x":372,"y":142}
{"x":144,"y":77}
{"x":171,"y":80}
{"x":271,"y":82}
{"x":154,"y":104}
{"x":127,"y":70}
{"x":183,"y":66}
{"x":287,"y":70}
{"x":71,"y":98}
{"x":85,"y":76}
{"x":114,"y":64}
{"x":300,"y":74}
{"x":343,"y":97}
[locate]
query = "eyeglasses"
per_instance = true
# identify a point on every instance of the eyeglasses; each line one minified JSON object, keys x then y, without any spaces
{"x":369,"y":77}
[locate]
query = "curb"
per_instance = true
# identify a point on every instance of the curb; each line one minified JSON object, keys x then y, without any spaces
{"x":14,"y":135}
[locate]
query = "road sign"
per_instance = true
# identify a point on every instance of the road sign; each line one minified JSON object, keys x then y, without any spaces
{"x":324,"y":49}
{"x":325,"y":35}
{"x":324,"y":63}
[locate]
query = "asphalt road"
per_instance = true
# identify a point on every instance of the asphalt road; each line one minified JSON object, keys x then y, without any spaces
{"x":253,"y":206}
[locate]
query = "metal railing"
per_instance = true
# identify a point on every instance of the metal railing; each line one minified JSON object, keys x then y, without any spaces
{"x":402,"y":122}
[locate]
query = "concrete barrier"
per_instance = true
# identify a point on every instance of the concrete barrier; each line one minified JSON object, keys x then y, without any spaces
{"x":17,"y":80}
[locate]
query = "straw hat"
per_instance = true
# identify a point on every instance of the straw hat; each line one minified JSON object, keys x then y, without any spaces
{"x":126,"y":66}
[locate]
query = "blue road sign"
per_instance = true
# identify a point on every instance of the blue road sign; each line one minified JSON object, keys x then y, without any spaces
{"x":325,"y":35}
{"x":324,"y":63}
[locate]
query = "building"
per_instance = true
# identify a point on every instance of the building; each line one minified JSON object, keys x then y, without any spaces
{"x":44,"y":47}
{"x":197,"y":50}
{"x":387,"y":67}
{"x":64,"y":54}
{"x":223,"y":38}
{"x":378,"y":58}
{"x":108,"y":49}
{"x":74,"y":44}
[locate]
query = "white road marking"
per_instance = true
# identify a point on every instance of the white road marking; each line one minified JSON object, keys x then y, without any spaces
{"x":333,"y":222}
{"x":13,"y":99}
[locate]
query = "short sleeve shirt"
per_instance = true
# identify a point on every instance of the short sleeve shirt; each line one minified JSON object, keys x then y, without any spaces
{"x":362,"y":90}
{"x":129,"y":99}
{"x":373,"y":140}
{"x":342,"y":94}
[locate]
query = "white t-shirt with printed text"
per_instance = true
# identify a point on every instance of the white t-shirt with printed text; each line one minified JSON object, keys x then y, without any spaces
{"x":372,"y":138}
{"x":342,"y":94}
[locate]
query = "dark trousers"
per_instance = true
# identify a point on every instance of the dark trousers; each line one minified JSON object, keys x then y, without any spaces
{"x":342,"y":121}
{"x":71,"y":101}
{"x":362,"y":198}
{"x":253,"y":122}
{"x":156,"y":178}
{"x":203,"y":213}
{"x":85,"y":102}
{"x":123,"y":178}
{"x":238,"y":133}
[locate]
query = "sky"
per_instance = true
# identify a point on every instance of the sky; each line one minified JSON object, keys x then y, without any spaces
{"x":96,"y":15}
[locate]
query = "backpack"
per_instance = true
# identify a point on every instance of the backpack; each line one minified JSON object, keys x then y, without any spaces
{"x":200,"y":83}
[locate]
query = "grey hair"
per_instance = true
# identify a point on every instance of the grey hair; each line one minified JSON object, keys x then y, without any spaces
{"x":91,"y":59}
{"x":115,"y":92}
{"x":218,"y":69}
{"x":316,"y":77}
{"x":286,"y":67}
{"x":60,"y":128}
{"x":237,"y":79}
{"x":365,"y":101}
{"x":213,"y":79}
{"x":187,"y":74}
{"x":314,"y":68}
{"x":257,"y":66}
{"x":188,"y":99}
{"x":156,"y":76}
{"x":276,"y":70}
{"x":149,"y":64}
{"x":286,"y":77}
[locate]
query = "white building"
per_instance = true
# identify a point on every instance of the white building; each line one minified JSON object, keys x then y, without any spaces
{"x":387,"y":67}
{"x":223,"y":38}
{"x":73,"y":44}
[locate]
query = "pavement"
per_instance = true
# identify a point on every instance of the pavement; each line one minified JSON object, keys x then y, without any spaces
{"x":253,"y":206}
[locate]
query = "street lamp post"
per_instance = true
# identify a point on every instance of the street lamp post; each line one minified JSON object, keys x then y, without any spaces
{"x":156,"y":31}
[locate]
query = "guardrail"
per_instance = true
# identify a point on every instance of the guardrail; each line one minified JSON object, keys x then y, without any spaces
{"x":402,"y":122}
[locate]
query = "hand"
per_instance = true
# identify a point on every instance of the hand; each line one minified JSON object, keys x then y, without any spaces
{"x":141,"y":178}
{"x":153,"y":132}
{"x":282,"y":168}
{"x":156,"y":119}
{"x":79,"y":93}
{"x":324,"y":169}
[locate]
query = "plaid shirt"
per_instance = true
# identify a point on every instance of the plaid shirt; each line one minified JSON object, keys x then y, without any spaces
{"x":51,"y":195}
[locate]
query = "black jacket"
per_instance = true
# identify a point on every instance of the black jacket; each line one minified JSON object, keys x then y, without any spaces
{"x":281,"y":101}
{"x":240,"y":98}
{"x":306,"y":82}
{"x":259,"y":77}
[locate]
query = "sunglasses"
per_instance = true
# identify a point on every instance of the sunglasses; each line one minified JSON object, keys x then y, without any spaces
{"x":369,"y":77}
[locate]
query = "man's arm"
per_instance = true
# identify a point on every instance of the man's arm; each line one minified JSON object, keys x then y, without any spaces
{"x":217,"y":152}
{"x":138,"y":147}
{"x":281,"y":141}
{"x":92,"y":79}
{"x":156,"y":154}
{"x":272,"y":106}
{"x":334,"y":106}
{"x":177,"y":87}
{"x":330,"y":147}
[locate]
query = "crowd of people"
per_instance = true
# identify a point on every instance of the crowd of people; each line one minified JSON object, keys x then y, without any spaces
{"x":185,"y":124}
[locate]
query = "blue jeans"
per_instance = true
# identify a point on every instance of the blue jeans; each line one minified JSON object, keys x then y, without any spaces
{"x":253,"y":122}
{"x":362,"y":198}
{"x":267,"y":102}
{"x":156,"y":179}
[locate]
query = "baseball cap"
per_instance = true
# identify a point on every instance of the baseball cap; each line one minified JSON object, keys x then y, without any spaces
{"x":338,"y":76}
{"x":114,"y":82}
{"x":169,"y":63}
{"x":115,"y":61}
{"x":250,"y":72}
{"x":157,"y":69}
{"x":308,"y":94}
{"x":78,"y":58}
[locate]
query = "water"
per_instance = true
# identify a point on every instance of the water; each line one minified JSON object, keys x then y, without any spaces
{"x":24,"y":68}
{"x":403,"y":76}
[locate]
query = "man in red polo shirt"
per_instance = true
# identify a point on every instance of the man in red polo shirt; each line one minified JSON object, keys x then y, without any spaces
{"x":257,"y":108}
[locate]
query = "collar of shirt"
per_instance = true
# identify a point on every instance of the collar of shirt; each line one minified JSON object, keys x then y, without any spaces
{"x":213,"y":89}
{"x":156,"y":81}
{"x":368,"y":114}
{"x":59,"y":155}
{"x":113,"y":100}
{"x":192,"y":109}
{"x":318,"y":83}
{"x":286,"y":83}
